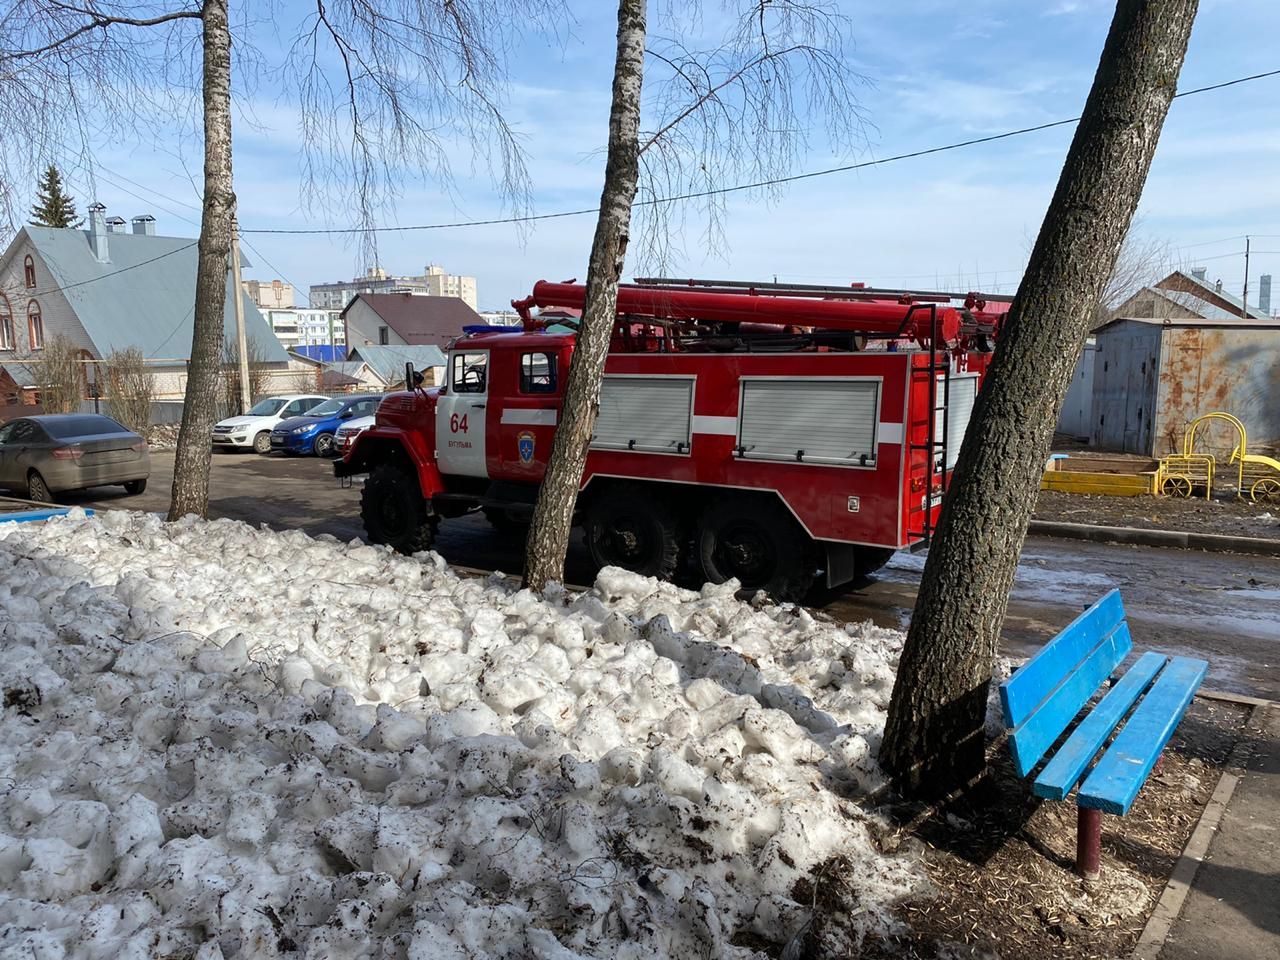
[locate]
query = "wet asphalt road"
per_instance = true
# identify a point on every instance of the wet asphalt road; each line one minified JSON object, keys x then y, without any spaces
{"x":1223,"y":607}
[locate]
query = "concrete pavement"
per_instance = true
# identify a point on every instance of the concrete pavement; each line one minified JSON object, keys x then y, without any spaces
{"x":1232,"y":911}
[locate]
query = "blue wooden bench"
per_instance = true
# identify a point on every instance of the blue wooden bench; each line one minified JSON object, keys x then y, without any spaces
{"x":34,"y":516}
{"x":1043,"y":698}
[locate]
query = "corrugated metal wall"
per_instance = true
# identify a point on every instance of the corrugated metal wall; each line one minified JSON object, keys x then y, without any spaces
{"x":1150,"y":381}
{"x":1125,"y":369}
{"x":1233,"y":369}
{"x":1076,"y":419}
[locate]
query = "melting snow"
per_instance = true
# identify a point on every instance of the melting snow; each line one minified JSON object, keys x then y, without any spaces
{"x":226,"y":742}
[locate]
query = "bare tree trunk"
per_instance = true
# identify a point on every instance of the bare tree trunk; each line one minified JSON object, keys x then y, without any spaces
{"x":191,"y":463}
{"x":933,"y":739}
{"x":553,"y":516}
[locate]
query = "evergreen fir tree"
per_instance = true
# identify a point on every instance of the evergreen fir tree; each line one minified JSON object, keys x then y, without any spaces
{"x":54,"y":208}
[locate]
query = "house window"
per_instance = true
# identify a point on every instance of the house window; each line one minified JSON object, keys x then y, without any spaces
{"x":29,"y":271}
{"x":35,"y":326}
{"x":384,"y":337}
{"x":6,"y":324}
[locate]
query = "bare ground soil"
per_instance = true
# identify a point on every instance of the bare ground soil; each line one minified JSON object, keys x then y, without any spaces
{"x":1228,"y":516}
{"x":1000,"y":861}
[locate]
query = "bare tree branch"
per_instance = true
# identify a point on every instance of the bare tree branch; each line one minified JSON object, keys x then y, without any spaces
{"x":97,"y":22}
{"x":745,"y":107}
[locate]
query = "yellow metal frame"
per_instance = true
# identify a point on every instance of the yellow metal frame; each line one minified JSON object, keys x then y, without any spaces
{"x":1108,"y":484}
{"x":1181,"y":474}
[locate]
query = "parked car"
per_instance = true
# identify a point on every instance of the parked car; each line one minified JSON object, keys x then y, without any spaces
{"x":47,"y":454}
{"x":347,"y":433}
{"x":313,"y":433}
{"x":253,"y":429}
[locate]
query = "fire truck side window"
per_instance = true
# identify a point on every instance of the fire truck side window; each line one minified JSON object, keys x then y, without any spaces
{"x":537,"y":373}
{"x":468,"y":373}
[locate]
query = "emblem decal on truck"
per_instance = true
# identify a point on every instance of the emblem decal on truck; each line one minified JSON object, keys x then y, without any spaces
{"x":525,"y":443}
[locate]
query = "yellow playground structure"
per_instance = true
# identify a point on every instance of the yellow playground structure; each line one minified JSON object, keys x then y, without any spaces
{"x":1193,"y":472}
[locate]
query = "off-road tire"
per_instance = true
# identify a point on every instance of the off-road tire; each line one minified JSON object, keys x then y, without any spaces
{"x":37,"y":489}
{"x":262,"y":442}
{"x":394,"y":512}
{"x":135,"y":487}
{"x":628,"y":527}
{"x":757,"y":542}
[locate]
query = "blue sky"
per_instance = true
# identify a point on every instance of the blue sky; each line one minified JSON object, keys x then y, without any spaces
{"x":939,"y":72}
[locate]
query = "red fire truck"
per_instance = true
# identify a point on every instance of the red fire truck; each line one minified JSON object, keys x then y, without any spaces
{"x":782,"y":435}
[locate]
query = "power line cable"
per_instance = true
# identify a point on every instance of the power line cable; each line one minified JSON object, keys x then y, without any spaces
{"x":278,"y":272}
{"x":736,"y":188}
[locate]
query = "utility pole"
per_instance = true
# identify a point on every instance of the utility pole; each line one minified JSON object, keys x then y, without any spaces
{"x":242,"y":343}
{"x":1244,"y":300}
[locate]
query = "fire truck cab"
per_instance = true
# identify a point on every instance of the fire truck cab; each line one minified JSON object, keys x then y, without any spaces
{"x":784,"y":440}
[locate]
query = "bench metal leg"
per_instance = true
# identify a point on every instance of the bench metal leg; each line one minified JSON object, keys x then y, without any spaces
{"x":1088,"y":842}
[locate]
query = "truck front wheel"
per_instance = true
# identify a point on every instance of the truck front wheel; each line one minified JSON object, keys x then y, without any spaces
{"x":627,"y":527}
{"x":393,"y":511}
{"x":758,"y":544}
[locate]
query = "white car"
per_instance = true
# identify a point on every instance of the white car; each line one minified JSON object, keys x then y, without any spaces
{"x":253,"y":429}
{"x":348,"y":432}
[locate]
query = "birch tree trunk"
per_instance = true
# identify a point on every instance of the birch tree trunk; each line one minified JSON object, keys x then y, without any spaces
{"x":553,"y":515}
{"x":933,"y":739}
{"x":191,"y":462}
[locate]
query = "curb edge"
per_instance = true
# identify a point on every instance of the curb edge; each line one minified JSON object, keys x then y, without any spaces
{"x":1137,"y":536}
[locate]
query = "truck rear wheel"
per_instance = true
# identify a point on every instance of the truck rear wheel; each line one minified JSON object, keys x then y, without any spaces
{"x":758,"y":544}
{"x":627,"y":527}
{"x":393,"y":511}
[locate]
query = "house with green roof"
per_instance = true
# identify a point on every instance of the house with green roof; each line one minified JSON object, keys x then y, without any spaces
{"x":106,"y":289}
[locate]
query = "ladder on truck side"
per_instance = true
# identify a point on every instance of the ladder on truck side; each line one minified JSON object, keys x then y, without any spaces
{"x":935,"y":447}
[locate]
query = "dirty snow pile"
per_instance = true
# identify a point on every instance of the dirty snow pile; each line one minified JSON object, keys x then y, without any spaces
{"x":226,"y":742}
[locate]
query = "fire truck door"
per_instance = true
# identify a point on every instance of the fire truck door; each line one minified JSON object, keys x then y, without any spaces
{"x":527,"y":424}
{"x":461,"y":413}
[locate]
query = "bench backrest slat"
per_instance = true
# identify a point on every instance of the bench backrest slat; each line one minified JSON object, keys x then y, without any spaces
{"x":1061,"y":774}
{"x":1036,"y":679}
{"x":1037,"y":732}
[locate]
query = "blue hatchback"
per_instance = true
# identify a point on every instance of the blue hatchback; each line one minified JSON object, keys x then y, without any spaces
{"x":313,"y":433}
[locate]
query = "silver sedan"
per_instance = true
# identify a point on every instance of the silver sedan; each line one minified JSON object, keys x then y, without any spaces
{"x":44,"y":455}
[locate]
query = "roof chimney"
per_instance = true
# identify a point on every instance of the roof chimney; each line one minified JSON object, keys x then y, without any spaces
{"x":98,"y":232}
{"x":115,"y":224}
{"x":1264,"y":294}
{"x":1198,"y":273}
{"x":145,"y":225}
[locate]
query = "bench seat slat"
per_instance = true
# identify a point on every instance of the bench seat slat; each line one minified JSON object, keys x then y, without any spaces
{"x":1120,"y":774}
{"x":1036,"y":734}
{"x":1061,"y":773}
{"x":30,"y":516}
{"x":1023,"y":692}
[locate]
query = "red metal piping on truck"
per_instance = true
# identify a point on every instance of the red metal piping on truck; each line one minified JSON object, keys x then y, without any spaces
{"x":895,"y":320}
